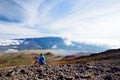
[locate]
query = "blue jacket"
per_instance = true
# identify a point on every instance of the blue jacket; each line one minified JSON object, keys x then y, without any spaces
{"x":41,"y":60}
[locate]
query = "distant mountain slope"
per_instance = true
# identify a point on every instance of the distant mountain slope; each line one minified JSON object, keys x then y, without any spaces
{"x":112,"y":54}
{"x":111,"y":57}
{"x":49,"y":43}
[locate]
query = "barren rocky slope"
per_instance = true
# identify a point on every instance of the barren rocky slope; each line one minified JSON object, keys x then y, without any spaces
{"x":96,"y":71}
{"x":102,"y":66}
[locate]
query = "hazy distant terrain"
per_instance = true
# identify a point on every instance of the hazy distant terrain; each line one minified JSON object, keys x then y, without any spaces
{"x":48,"y":43}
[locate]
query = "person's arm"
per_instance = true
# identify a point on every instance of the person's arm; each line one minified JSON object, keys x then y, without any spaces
{"x":43,"y":59}
{"x":39,"y":60}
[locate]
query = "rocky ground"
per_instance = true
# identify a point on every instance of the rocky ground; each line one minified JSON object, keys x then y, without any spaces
{"x":94,"y":71}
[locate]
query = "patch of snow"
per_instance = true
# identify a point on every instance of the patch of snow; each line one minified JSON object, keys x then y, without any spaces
{"x":54,"y":46}
{"x":14,"y":46}
{"x":27,"y":42}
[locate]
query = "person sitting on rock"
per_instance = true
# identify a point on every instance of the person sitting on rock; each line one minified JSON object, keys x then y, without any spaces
{"x":41,"y":59}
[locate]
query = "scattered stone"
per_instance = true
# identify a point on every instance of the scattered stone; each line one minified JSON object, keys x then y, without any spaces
{"x":108,"y":77}
{"x":87,"y":76}
{"x":63,"y":72}
{"x":8,"y":74}
{"x":0,"y":75}
{"x":115,"y":68}
{"x":77,"y":76}
{"x":39,"y":70}
{"x":69,"y":78}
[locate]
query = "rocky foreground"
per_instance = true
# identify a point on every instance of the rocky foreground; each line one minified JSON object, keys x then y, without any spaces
{"x":95,"y":71}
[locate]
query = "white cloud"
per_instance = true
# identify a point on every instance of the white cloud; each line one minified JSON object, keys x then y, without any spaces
{"x":10,"y":42}
{"x":34,"y":14}
{"x":22,"y":32}
{"x":101,"y":23}
{"x":109,"y":42}
{"x":68,"y":42}
{"x":30,"y":9}
{"x":29,"y":14}
{"x":8,"y":10}
{"x":91,"y":21}
{"x":16,"y":29}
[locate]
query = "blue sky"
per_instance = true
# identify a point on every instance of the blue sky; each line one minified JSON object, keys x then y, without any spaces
{"x":91,"y":21}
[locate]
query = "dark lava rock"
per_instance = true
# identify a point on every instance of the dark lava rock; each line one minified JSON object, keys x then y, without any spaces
{"x":61,"y":76}
{"x":68,"y":65}
{"x":0,"y":75}
{"x":69,"y":78}
{"x":115,"y":68}
{"x":22,"y":71}
{"x":63,"y":72}
{"x":39,"y":70}
{"x":108,"y":77}
{"x":77,"y":76}
{"x":8,"y":74}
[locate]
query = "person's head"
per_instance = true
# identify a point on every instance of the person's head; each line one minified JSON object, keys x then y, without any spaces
{"x":41,"y":54}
